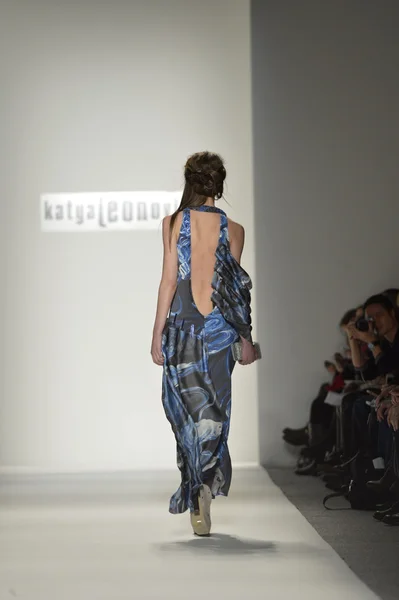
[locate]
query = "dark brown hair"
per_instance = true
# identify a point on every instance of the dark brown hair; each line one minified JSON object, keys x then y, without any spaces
{"x":204,"y":175}
{"x":382,"y":300}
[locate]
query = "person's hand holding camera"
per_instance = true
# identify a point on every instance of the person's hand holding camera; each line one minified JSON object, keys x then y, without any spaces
{"x":383,"y":408}
{"x":385,"y":391}
{"x":393,"y":417}
{"x":369,"y":336}
{"x":361,"y":331}
{"x":351,"y":331}
{"x":395,"y":395}
{"x":360,"y":336}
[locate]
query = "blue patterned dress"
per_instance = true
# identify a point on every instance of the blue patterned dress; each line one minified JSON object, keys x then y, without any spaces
{"x":198,"y":364}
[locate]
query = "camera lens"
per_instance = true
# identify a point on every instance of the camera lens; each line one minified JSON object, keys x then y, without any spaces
{"x":362,"y":324}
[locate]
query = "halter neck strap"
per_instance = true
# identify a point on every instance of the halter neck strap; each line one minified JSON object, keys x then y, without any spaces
{"x":208,"y":208}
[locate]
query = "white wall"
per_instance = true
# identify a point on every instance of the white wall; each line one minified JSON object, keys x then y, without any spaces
{"x":107,"y":96}
{"x":326,"y":139}
{"x":3,"y":191}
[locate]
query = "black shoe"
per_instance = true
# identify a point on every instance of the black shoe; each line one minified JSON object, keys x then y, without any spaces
{"x":382,"y":489}
{"x":391,"y":519}
{"x":380,"y":515}
{"x":294,"y":435}
{"x":289,"y":431}
{"x":296,"y":440}
{"x":384,"y":484}
{"x":309,"y":468}
{"x":384,"y":506}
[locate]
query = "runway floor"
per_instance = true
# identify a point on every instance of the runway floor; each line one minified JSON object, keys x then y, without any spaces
{"x":110,"y":537}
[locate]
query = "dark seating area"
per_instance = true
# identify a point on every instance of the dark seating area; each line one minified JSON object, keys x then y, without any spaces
{"x":350,"y":440}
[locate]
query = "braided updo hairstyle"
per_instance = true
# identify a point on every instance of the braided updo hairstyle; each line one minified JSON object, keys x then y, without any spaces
{"x":204,"y":175}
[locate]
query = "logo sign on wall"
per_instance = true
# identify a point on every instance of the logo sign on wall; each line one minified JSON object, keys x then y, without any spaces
{"x":108,"y":211}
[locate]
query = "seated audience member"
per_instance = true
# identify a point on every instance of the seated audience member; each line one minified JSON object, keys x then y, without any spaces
{"x":320,"y":413}
{"x":321,"y":426}
{"x":367,"y":376}
{"x":362,"y":346}
{"x":381,"y":337}
{"x":300,"y":437}
{"x":381,"y":326}
{"x":392,"y":517}
{"x":380,"y":331}
{"x":388,"y":415}
{"x":344,"y":366}
{"x":353,"y":390}
{"x":351,"y":373}
{"x":337,"y":382}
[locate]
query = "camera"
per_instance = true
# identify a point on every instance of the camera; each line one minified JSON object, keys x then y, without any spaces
{"x":363,"y":324}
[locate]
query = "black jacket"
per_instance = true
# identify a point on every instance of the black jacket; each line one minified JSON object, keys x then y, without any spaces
{"x":386,"y":363}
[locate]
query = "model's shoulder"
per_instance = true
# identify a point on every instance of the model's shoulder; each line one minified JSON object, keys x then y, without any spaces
{"x":235,"y":228}
{"x":166,"y":224}
{"x":167,"y":221}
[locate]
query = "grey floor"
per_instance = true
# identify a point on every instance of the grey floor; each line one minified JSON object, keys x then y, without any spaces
{"x":369,"y":548}
{"x":110,"y":537}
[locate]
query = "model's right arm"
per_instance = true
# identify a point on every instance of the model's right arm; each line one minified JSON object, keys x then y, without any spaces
{"x":166,"y":290}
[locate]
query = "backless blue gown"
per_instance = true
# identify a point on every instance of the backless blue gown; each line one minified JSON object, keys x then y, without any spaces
{"x":198,"y":364}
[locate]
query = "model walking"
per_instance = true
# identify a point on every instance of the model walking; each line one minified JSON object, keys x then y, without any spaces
{"x":203,"y":309}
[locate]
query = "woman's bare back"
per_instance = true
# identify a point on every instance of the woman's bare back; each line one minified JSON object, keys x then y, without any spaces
{"x":205,"y":232}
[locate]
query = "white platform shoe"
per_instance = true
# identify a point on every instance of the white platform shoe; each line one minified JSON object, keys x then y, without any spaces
{"x":201,"y":516}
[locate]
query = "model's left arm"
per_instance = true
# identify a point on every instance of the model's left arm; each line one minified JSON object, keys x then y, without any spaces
{"x":166,"y":290}
{"x":237,"y":242}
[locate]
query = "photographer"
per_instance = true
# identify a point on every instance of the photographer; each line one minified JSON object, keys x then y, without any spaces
{"x":349,"y":317}
{"x":379,"y":329}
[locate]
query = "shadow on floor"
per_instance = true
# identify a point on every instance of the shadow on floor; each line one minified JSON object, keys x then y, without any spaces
{"x":219,"y":543}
